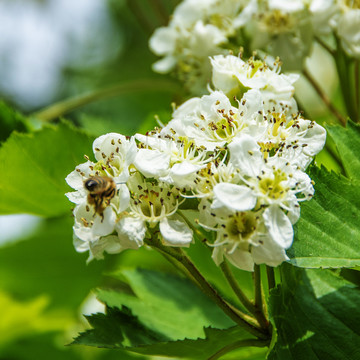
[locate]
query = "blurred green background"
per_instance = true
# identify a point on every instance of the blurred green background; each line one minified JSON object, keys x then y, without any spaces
{"x":64,"y":50}
{"x":91,"y":58}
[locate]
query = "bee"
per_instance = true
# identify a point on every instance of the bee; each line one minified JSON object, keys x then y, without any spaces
{"x":101,"y":190}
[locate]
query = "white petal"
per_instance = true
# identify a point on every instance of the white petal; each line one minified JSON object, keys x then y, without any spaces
{"x":241,"y":259}
{"x":234,"y":197}
{"x":245,"y":154}
{"x":104,"y":144}
{"x":218,"y":255}
{"x":253,"y":101}
{"x":187,"y":107}
{"x":100,"y":227}
{"x":80,"y":245}
{"x":75,"y":179}
{"x":163,"y":40}
{"x":77,"y":197}
{"x":130,"y":149}
{"x":279,"y":226}
{"x":131,"y":231}
{"x":175,"y":232}
{"x":183,"y":173}
{"x":106,"y":225}
{"x":164,"y":65}
{"x":225,"y":69}
{"x":269,"y":253}
{"x":109,"y":244}
{"x":153,"y":142}
{"x":124,"y":197}
{"x":152,"y":163}
{"x":315,"y":139}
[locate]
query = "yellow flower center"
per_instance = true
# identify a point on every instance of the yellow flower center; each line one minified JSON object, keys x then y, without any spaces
{"x":241,"y":227}
{"x":272,"y":187}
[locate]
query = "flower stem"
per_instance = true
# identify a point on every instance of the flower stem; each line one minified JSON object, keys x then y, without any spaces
{"x":238,"y":344}
{"x":236,"y":288}
{"x":63,"y":107}
{"x":241,"y":296}
{"x":343,"y":64}
{"x":259,"y":313}
{"x":271,"y":277}
{"x":325,"y":46}
{"x":324,"y":97}
{"x":243,"y":320}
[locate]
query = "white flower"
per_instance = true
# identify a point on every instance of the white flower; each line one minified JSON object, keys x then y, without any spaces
{"x":281,"y":28}
{"x":273,"y":182}
{"x":90,"y":231}
{"x":211,"y":121}
{"x":348,"y":29}
{"x":249,"y":237}
{"x":283,"y":134}
{"x":234,"y":76}
{"x":114,"y":154}
{"x":322,"y":12}
{"x":171,"y":159}
{"x":197,"y":29}
{"x":153,"y":204}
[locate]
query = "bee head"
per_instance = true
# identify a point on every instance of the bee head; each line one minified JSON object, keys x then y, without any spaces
{"x":90,"y":184}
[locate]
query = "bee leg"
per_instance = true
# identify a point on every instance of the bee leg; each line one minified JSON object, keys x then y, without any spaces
{"x":102,"y":217}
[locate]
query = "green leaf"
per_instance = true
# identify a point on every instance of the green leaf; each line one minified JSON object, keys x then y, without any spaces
{"x":347,"y":141}
{"x":18,"y":319}
{"x":316,"y":315}
{"x":214,"y":341}
{"x":33,"y":168}
{"x":11,"y":120}
{"x":47,"y":264}
{"x":328,"y":232}
{"x":119,"y":329}
{"x":52,"y":346}
{"x":178,"y":308}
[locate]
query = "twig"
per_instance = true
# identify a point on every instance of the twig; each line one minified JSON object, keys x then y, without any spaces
{"x":236,"y":288}
{"x":324,"y":97}
{"x":63,"y":107}
{"x":243,"y":320}
{"x":325,"y":46}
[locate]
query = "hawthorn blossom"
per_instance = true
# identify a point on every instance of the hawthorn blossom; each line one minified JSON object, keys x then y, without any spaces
{"x":197,"y":30}
{"x":153,"y":205}
{"x":347,"y":25}
{"x":171,"y":159}
{"x":235,"y":77}
{"x":241,"y":160}
{"x":252,"y":214}
{"x":246,"y":238}
{"x":212,"y":121}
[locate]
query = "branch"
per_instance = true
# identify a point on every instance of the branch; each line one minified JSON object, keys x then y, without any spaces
{"x":63,"y":107}
{"x":324,"y":97}
{"x":243,"y":320}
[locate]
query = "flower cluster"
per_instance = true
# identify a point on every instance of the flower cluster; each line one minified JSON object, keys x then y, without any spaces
{"x":240,"y":151}
{"x":280,"y":28}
